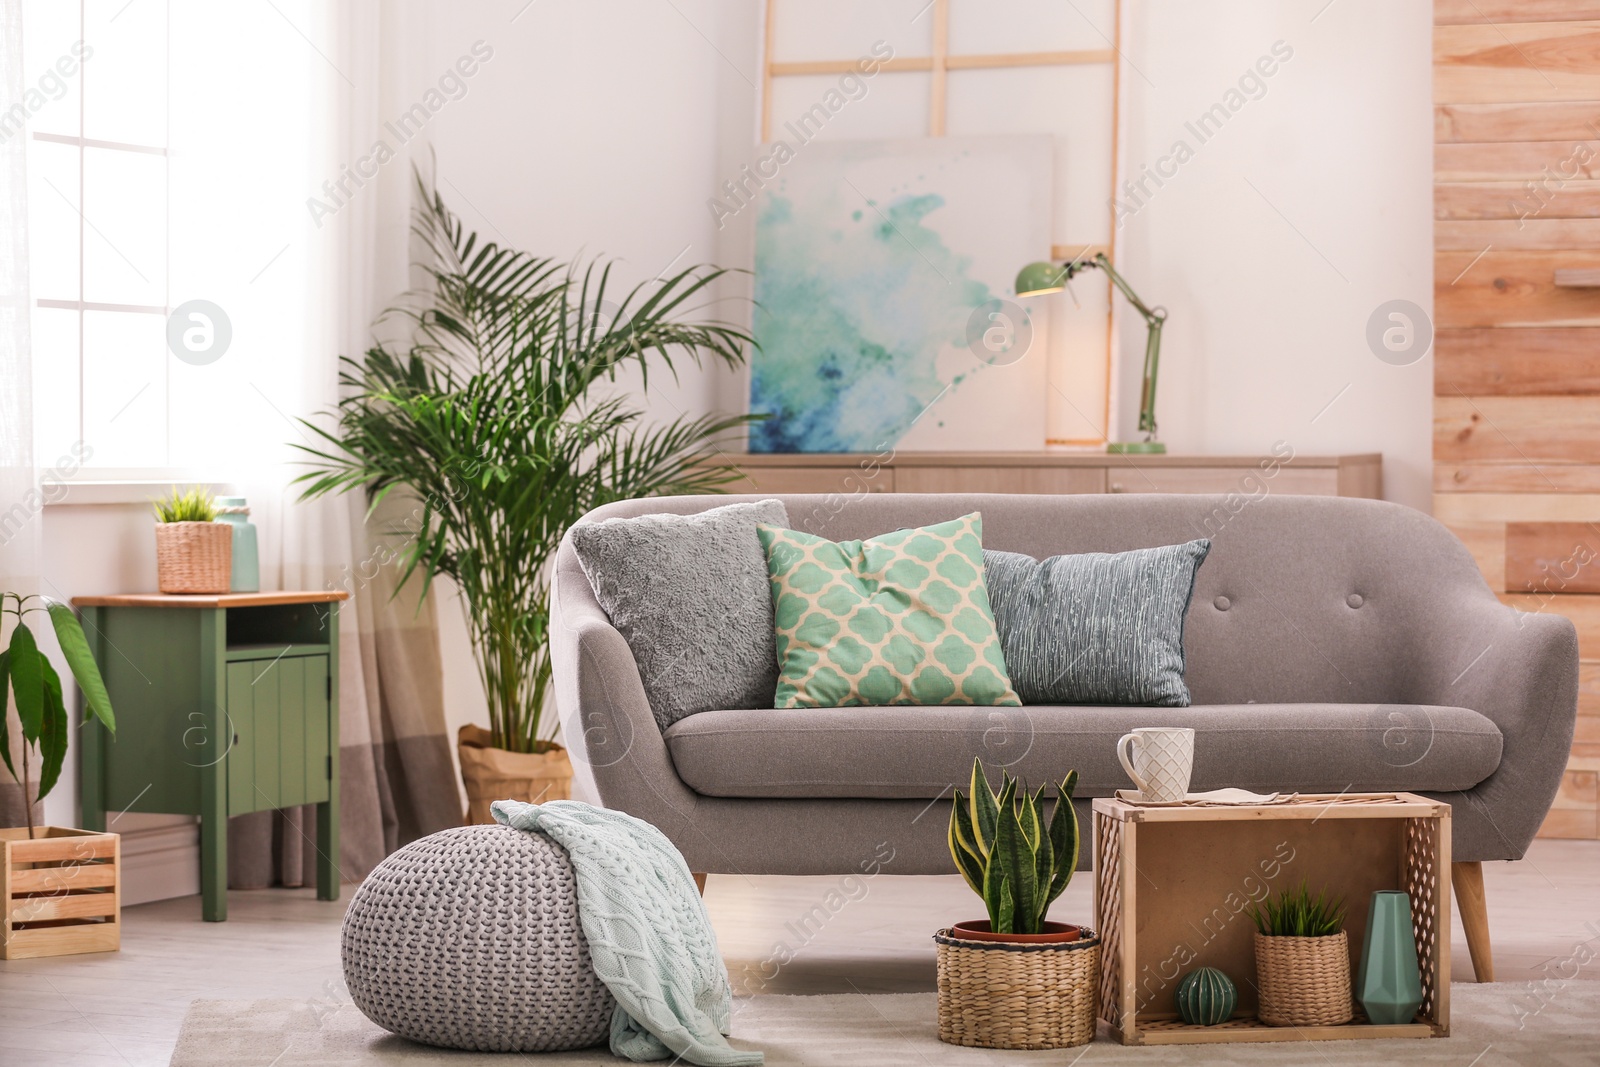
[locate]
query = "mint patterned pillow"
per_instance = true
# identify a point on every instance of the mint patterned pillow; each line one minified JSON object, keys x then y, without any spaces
{"x":898,"y":619}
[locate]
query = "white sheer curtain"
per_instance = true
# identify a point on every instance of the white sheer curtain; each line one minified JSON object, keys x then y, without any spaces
{"x":398,"y":779}
{"x":19,"y":511}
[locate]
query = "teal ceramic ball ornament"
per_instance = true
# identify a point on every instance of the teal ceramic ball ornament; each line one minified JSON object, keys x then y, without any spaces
{"x":1206,"y":997}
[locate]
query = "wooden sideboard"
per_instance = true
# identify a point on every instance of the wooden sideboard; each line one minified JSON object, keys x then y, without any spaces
{"x":1358,"y":475}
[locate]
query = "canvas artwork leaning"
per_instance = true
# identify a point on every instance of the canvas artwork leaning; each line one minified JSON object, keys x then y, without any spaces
{"x":885,"y":317}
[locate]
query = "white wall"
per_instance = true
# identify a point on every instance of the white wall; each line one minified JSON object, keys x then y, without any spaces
{"x":596,"y":129}
{"x":1273,"y":245}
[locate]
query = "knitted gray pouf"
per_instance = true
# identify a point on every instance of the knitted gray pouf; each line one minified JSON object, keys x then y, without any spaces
{"x":469,"y":939}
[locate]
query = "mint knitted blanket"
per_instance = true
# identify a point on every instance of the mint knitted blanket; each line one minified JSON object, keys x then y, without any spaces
{"x":649,"y":935}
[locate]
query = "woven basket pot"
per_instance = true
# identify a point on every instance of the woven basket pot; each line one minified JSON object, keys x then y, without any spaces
{"x":194,"y":557}
{"x":492,"y":774}
{"x":995,"y":994}
{"x":1304,"y":981}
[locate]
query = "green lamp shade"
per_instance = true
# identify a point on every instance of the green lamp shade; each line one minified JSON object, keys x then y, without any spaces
{"x":1206,"y":997}
{"x":1036,"y":279}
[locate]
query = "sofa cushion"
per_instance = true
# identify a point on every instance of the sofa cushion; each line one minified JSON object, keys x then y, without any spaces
{"x":689,"y":594}
{"x":1095,"y":627}
{"x":899,"y":619}
{"x":922,"y":752}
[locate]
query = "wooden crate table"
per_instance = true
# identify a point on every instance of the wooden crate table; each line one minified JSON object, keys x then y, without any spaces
{"x":1172,"y":885}
{"x":61,"y":891}
{"x":226,"y":704}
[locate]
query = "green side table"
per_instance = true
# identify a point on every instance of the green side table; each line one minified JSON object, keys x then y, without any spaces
{"x":225,"y":704}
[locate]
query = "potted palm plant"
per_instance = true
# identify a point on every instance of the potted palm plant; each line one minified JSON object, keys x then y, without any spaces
{"x":489,"y":416}
{"x":1302,"y":959}
{"x":1016,"y":980}
{"x":59,"y":886}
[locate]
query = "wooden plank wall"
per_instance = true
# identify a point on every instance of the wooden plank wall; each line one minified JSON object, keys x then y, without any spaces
{"x":1517,"y":354}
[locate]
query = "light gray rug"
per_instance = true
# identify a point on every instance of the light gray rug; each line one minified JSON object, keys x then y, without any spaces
{"x":1554,"y":1024}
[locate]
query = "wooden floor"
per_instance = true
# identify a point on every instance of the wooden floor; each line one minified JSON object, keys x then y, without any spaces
{"x":779,"y":935}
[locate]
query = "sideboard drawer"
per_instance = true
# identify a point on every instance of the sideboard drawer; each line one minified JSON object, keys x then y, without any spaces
{"x":850,"y":479}
{"x":1247,"y":480}
{"x":909,"y":479}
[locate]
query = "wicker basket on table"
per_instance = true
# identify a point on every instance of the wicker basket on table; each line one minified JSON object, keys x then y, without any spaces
{"x":194,"y":557}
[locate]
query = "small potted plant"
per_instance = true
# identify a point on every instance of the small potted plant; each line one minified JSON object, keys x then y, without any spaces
{"x":59,"y":887}
{"x":1302,"y":959}
{"x":1016,"y":980}
{"x":194,"y":552}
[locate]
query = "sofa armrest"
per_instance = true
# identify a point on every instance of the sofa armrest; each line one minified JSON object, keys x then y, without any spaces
{"x":606,"y":718}
{"x":1519,"y":670}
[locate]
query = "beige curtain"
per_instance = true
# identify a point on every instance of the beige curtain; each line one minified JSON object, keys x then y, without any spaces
{"x":397,"y":778}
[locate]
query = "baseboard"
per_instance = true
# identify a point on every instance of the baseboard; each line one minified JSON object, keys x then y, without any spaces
{"x":160,"y":856}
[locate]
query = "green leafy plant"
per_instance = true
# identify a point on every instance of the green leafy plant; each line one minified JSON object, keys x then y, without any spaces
{"x":488,"y":416}
{"x":25,"y":671}
{"x":196,"y":505}
{"x":1296,"y":913}
{"x":1009,"y":855}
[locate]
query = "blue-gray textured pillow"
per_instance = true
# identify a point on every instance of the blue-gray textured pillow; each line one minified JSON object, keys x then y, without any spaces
{"x":689,"y":594}
{"x":1096,"y":628}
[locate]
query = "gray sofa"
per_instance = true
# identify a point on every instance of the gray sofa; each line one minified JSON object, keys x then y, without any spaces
{"x":1332,"y":645}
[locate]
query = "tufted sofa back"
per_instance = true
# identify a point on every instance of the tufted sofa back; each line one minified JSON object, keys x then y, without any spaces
{"x":1302,"y":598}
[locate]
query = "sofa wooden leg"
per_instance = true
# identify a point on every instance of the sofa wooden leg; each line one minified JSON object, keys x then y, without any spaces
{"x":1468,"y":881}
{"x":700,"y":884}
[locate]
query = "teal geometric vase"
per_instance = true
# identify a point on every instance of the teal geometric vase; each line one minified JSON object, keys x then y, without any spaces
{"x":1389,"y":982}
{"x":235,"y":511}
{"x":1206,"y":997}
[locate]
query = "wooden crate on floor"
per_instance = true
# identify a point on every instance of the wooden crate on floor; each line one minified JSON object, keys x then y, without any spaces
{"x":61,"y":891}
{"x":1172,"y":885}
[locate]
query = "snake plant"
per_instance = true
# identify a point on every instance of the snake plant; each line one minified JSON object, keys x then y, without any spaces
{"x":1010,"y":856}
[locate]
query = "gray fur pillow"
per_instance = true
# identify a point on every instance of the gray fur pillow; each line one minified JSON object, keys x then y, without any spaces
{"x":690,"y":595}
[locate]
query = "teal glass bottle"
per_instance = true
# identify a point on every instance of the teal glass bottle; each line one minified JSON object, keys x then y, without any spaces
{"x":234,"y":511}
{"x":1389,"y":982}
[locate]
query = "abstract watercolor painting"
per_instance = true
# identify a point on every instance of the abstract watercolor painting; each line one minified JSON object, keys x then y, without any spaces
{"x":885,"y":315}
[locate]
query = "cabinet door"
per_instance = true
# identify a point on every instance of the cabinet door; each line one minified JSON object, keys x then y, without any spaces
{"x":279,"y":713}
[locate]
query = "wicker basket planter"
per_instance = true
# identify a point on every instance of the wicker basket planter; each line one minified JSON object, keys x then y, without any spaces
{"x":996,"y":994}
{"x":194,"y":557}
{"x":1304,"y":981}
{"x":492,"y":774}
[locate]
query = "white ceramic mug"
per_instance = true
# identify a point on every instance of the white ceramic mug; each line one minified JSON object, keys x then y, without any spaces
{"x":1162,"y":761}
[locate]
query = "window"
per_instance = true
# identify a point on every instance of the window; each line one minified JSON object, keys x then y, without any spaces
{"x":161,"y":173}
{"x":97,"y":177}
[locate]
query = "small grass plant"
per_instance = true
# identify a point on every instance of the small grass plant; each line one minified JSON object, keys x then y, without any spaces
{"x":193,"y":505}
{"x":1294,"y":912}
